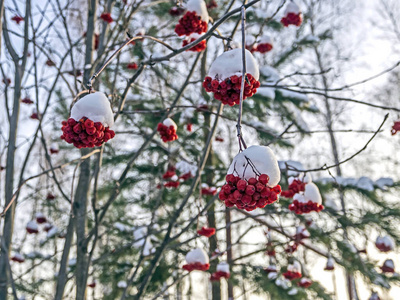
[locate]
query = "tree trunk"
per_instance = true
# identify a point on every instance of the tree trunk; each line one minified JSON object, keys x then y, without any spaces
{"x":351,"y":288}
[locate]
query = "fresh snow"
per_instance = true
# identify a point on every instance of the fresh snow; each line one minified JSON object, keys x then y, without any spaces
{"x":94,"y":106}
{"x":294,"y":267}
{"x":32,"y":225}
{"x":272,"y":275}
{"x":265,"y":39}
{"x":223,"y":267}
{"x":389,"y":263}
{"x":384,"y":182}
{"x":52,"y":232}
{"x":365,"y":183}
{"x":266,"y":92}
{"x":293,"y":291}
{"x":385,"y":240}
{"x":312,"y":193}
{"x":199,"y":7}
{"x":262,"y":158}
{"x":169,"y":122}
{"x":292,"y":7}
{"x":229,"y":63}
{"x":271,"y":73}
{"x":197,"y":255}
{"x":184,"y":167}
{"x":122,"y":284}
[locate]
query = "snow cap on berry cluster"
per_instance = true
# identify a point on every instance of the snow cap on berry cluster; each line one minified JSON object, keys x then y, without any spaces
{"x":389,"y":263}
{"x":229,"y":64}
{"x":294,"y":267}
{"x":95,"y":107}
{"x":197,"y":255}
{"x":223,"y":267}
{"x":385,"y":240}
{"x":169,"y":122}
{"x":199,"y":7}
{"x":292,"y":7}
{"x":311,"y":193}
{"x":262,"y":159}
{"x":32,"y":225}
{"x":303,"y":231}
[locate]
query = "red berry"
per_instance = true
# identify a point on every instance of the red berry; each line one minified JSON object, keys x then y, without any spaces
{"x":264,"y":178}
{"x":241,"y":185}
{"x":250,"y":190}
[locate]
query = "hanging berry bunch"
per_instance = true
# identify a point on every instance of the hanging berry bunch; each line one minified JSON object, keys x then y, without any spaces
{"x":292,"y":15}
{"x":384,"y":244}
{"x":88,"y":126}
{"x":222,"y":272}
{"x":206,"y":231}
{"x":308,"y":201}
{"x":330,"y":264}
{"x":293,"y":271}
{"x":388,"y":266}
{"x":225,"y":77}
{"x":296,"y":185}
{"x":197,"y":259}
{"x":305,"y":282}
{"x":264,"y":45}
{"x":195,"y":20}
{"x":252,"y":179}
{"x":167,"y":130}
{"x":395,"y":127}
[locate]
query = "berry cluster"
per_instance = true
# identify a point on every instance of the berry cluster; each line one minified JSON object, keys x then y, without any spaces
{"x":34,"y":115}
{"x":383,"y":247}
{"x":305,"y":207}
{"x":207,"y":232}
{"x":18,"y":258}
{"x":171,"y":184}
{"x":270,"y":269}
{"x":17,"y":19}
{"x":50,"y":196}
{"x":248,"y":194}
{"x":304,"y":282}
{"x":228,"y":91}
{"x":295,"y":187}
{"x":263,"y":48}
{"x":85,"y":133}
{"x":168,"y":133}
{"x":212,"y":4}
{"x":292,"y":19}
{"x":270,"y":250}
{"x":291,"y":275}
{"x":196,"y":266}
{"x":198,"y":48}
{"x":169,"y":173}
{"x":329,"y":267}
{"x":106,"y":17}
{"x":50,"y":63}
{"x":190,"y":23}
{"x":395,"y":127}
{"x":387,"y":269}
{"x":216,"y":276}
{"x":189,"y":127}
{"x":132,"y":66}
{"x":27,"y":101}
